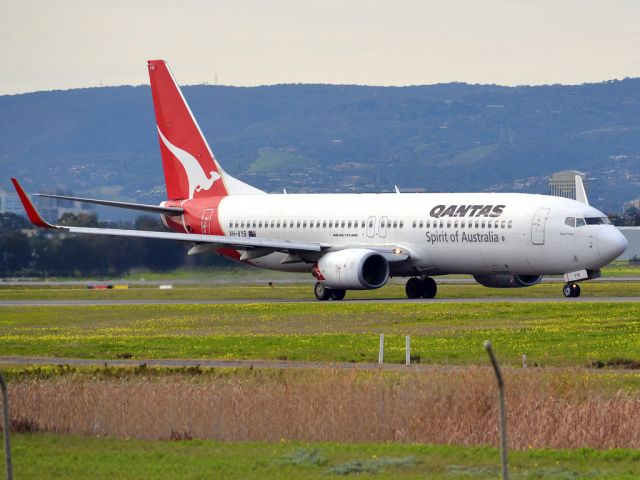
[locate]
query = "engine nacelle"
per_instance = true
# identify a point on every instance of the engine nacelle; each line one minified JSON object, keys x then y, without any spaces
{"x":505,"y":280}
{"x":353,"y":269}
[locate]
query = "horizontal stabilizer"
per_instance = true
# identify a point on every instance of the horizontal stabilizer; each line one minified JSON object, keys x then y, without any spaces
{"x":109,"y":203}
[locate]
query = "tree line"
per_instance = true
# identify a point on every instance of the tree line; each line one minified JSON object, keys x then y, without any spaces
{"x":25,"y":251}
{"x":630,"y":218}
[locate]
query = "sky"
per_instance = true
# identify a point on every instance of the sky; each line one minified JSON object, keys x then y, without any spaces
{"x":62,"y":44}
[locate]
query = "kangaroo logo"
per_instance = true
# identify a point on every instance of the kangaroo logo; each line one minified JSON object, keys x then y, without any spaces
{"x":198,"y":179}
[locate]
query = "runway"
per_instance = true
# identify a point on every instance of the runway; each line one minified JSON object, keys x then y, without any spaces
{"x":278,"y":281}
{"x":88,"y":303}
{"x":267,"y":364}
{"x":205,"y":363}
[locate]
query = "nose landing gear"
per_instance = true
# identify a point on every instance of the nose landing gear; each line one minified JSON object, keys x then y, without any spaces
{"x":571,"y":290}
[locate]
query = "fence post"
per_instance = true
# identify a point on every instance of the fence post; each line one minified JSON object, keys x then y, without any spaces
{"x":524,"y":360}
{"x":503,"y":418}
{"x":407,"y":348}
{"x":381,"y":351}
{"x":6,"y":426}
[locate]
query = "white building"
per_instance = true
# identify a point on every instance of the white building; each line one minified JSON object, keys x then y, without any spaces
{"x":49,"y":209}
{"x":10,"y":203}
{"x":563,"y":184}
{"x":632,"y":235}
{"x":632,"y":204}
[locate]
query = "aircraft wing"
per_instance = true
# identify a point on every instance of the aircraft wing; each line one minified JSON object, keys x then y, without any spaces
{"x":258,"y":246}
{"x":240,"y":243}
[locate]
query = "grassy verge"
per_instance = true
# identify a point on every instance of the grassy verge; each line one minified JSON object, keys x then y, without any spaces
{"x":550,"y":334}
{"x":282,"y":291}
{"x":408,"y":407}
{"x":235,"y":273}
{"x":621,"y":269}
{"x":570,"y":379}
{"x":48,"y":456}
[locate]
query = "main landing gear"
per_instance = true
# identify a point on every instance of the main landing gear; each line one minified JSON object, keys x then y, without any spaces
{"x":324,"y":293}
{"x":571,"y":290}
{"x":425,"y":288}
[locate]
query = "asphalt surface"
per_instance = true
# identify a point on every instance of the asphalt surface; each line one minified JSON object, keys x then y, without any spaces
{"x":244,"y":281}
{"x":177,"y":363}
{"x":264,"y":364}
{"x":86,"y":303}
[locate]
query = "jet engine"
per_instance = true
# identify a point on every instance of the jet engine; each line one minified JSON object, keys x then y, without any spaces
{"x":505,"y":280}
{"x":352,"y":269}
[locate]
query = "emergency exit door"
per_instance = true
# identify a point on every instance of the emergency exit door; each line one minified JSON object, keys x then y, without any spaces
{"x":207,"y":215}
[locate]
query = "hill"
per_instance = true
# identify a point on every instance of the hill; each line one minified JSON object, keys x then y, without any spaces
{"x":451,"y":137}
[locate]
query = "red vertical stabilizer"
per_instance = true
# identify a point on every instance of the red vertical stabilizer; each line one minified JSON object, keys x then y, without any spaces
{"x":190,"y":169}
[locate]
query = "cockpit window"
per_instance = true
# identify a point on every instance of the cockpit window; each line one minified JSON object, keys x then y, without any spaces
{"x":570,"y":221}
{"x":597,"y":221}
{"x":580,"y":222}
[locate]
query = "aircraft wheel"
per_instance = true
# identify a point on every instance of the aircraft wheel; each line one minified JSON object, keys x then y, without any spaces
{"x":429,"y":287}
{"x":338,"y":294}
{"x":571,"y":290}
{"x":413,"y":289}
{"x":321,"y":292}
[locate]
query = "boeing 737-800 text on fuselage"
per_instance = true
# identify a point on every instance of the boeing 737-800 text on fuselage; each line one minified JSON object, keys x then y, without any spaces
{"x":359,"y":241}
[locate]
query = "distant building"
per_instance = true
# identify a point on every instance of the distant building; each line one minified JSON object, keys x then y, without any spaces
{"x":563,"y":184}
{"x":49,"y":209}
{"x":632,"y":204}
{"x":10,"y":203}
{"x":633,"y":237}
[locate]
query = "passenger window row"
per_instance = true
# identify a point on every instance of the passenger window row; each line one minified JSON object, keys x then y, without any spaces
{"x":312,"y":223}
{"x":463,"y":224}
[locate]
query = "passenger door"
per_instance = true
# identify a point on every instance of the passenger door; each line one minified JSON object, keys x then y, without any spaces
{"x":537,"y":226}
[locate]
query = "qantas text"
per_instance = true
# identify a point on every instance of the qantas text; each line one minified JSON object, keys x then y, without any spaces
{"x":467,"y":211}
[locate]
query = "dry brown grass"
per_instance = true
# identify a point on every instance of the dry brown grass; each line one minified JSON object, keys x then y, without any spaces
{"x":557,"y":410}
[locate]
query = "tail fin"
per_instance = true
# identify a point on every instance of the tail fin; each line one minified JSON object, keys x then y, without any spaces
{"x":190,"y":169}
{"x":581,"y":194}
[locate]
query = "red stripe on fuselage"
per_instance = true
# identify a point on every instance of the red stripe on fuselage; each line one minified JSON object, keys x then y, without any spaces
{"x":201,"y":216}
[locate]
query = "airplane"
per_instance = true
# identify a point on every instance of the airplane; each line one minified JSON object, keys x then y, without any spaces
{"x":359,"y":241}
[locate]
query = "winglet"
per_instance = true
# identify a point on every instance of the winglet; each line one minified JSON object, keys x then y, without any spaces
{"x":32,"y":213}
{"x":581,"y":194}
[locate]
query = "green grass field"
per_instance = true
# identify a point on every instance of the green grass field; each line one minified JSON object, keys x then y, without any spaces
{"x":48,"y":456}
{"x":621,"y":269}
{"x":550,"y":334}
{"x":236,"y":273}
{"x":285,"y":291}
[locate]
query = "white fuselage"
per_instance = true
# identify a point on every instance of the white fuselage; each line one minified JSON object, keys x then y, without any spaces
{"x":474,"y":233}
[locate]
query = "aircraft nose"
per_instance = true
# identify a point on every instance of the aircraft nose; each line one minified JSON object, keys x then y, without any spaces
{"x":611,"y":244}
